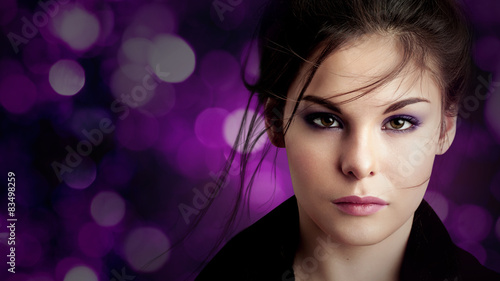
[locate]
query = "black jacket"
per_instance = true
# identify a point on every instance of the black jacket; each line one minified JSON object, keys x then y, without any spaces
{"x":266,"y":249}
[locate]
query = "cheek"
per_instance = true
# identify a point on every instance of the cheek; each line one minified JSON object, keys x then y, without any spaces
{"x":411,"y":161}
{"x":311,"y":160}
{"x":401,"y":161}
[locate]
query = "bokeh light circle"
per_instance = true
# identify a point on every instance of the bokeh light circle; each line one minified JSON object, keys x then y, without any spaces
{"x":84,"y":174}
{"x":150,"y":20}
{"x":80,"y":273}
{"x":171,"y":58}
{"x":90,"y":125}
{"x":107,"y":208}
{"x":136,"y":72}
{"x":473,"y":223}
{"x":66,"y":77}
{"x":267,"y":190}
{"x":232,"y":125}
{"x":78,"y":28}
{"x":146,"y":246}
{"x":208,"y":127}
{"x":133,"y":49}
{"x":439,"y":203}
{"x":250,"y":58}
{"x":132,"y":86}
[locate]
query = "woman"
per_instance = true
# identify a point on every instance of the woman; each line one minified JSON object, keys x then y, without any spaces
{"x":362,"y":95}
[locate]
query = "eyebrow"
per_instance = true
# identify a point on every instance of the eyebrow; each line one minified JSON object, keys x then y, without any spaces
{"x":402,"y":103}
{"x":393,"y":107}
{"x":323,"y":102}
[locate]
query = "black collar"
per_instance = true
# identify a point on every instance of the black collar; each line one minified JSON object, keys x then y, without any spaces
{"x":266,"y":250}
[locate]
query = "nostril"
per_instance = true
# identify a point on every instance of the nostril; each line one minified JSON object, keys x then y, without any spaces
{"x":351,"y":173}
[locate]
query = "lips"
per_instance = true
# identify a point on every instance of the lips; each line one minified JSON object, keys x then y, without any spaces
{"x":359,"y":206}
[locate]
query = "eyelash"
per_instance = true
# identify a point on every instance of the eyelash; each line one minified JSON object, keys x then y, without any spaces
{"x":318,"y":115}
{"x":414,"y":122}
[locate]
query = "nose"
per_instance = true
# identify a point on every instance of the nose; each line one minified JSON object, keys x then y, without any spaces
{"x":359,"y":155}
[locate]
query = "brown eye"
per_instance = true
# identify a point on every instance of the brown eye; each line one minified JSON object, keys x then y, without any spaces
{"x":326,"y":121}
{"x":398,"y":124}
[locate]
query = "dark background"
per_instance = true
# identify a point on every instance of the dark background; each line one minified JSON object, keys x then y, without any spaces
{"x":105,"y":154}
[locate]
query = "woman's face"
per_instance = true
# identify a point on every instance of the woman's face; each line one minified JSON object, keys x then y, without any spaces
{"x":380,"y":145}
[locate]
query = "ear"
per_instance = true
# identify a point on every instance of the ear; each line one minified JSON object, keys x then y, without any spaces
{"x":448,"y":131}
{"x":273,"y":114}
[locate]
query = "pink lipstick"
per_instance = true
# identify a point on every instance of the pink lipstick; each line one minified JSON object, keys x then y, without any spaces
{"x":359,"y":206}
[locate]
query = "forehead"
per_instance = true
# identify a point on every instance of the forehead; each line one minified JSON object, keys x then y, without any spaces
{"x":361,"y":66}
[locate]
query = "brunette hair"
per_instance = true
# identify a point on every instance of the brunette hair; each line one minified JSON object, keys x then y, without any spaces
{"x":433,"y":34}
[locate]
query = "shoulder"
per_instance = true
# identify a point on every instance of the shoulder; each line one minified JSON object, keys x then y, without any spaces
{"x":432,"y":255}
{"x":260,"y":251}
{"x":471,"y":269}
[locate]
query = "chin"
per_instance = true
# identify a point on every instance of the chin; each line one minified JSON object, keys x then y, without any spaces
{"x":359,"y":237}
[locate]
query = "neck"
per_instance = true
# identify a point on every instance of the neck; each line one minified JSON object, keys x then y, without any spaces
{"x":319,"y":257}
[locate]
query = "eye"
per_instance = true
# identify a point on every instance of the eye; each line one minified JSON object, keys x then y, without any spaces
{"x":323,"y":120}
{"x":401,"y":123}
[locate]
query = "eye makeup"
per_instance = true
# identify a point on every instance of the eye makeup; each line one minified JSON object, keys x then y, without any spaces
{"x":326,"y":120}
{"x":407,"y":119}
{"x":323,"y":121}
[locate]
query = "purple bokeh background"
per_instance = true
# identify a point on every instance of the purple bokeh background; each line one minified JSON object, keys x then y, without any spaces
{"x":114,"y":113}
